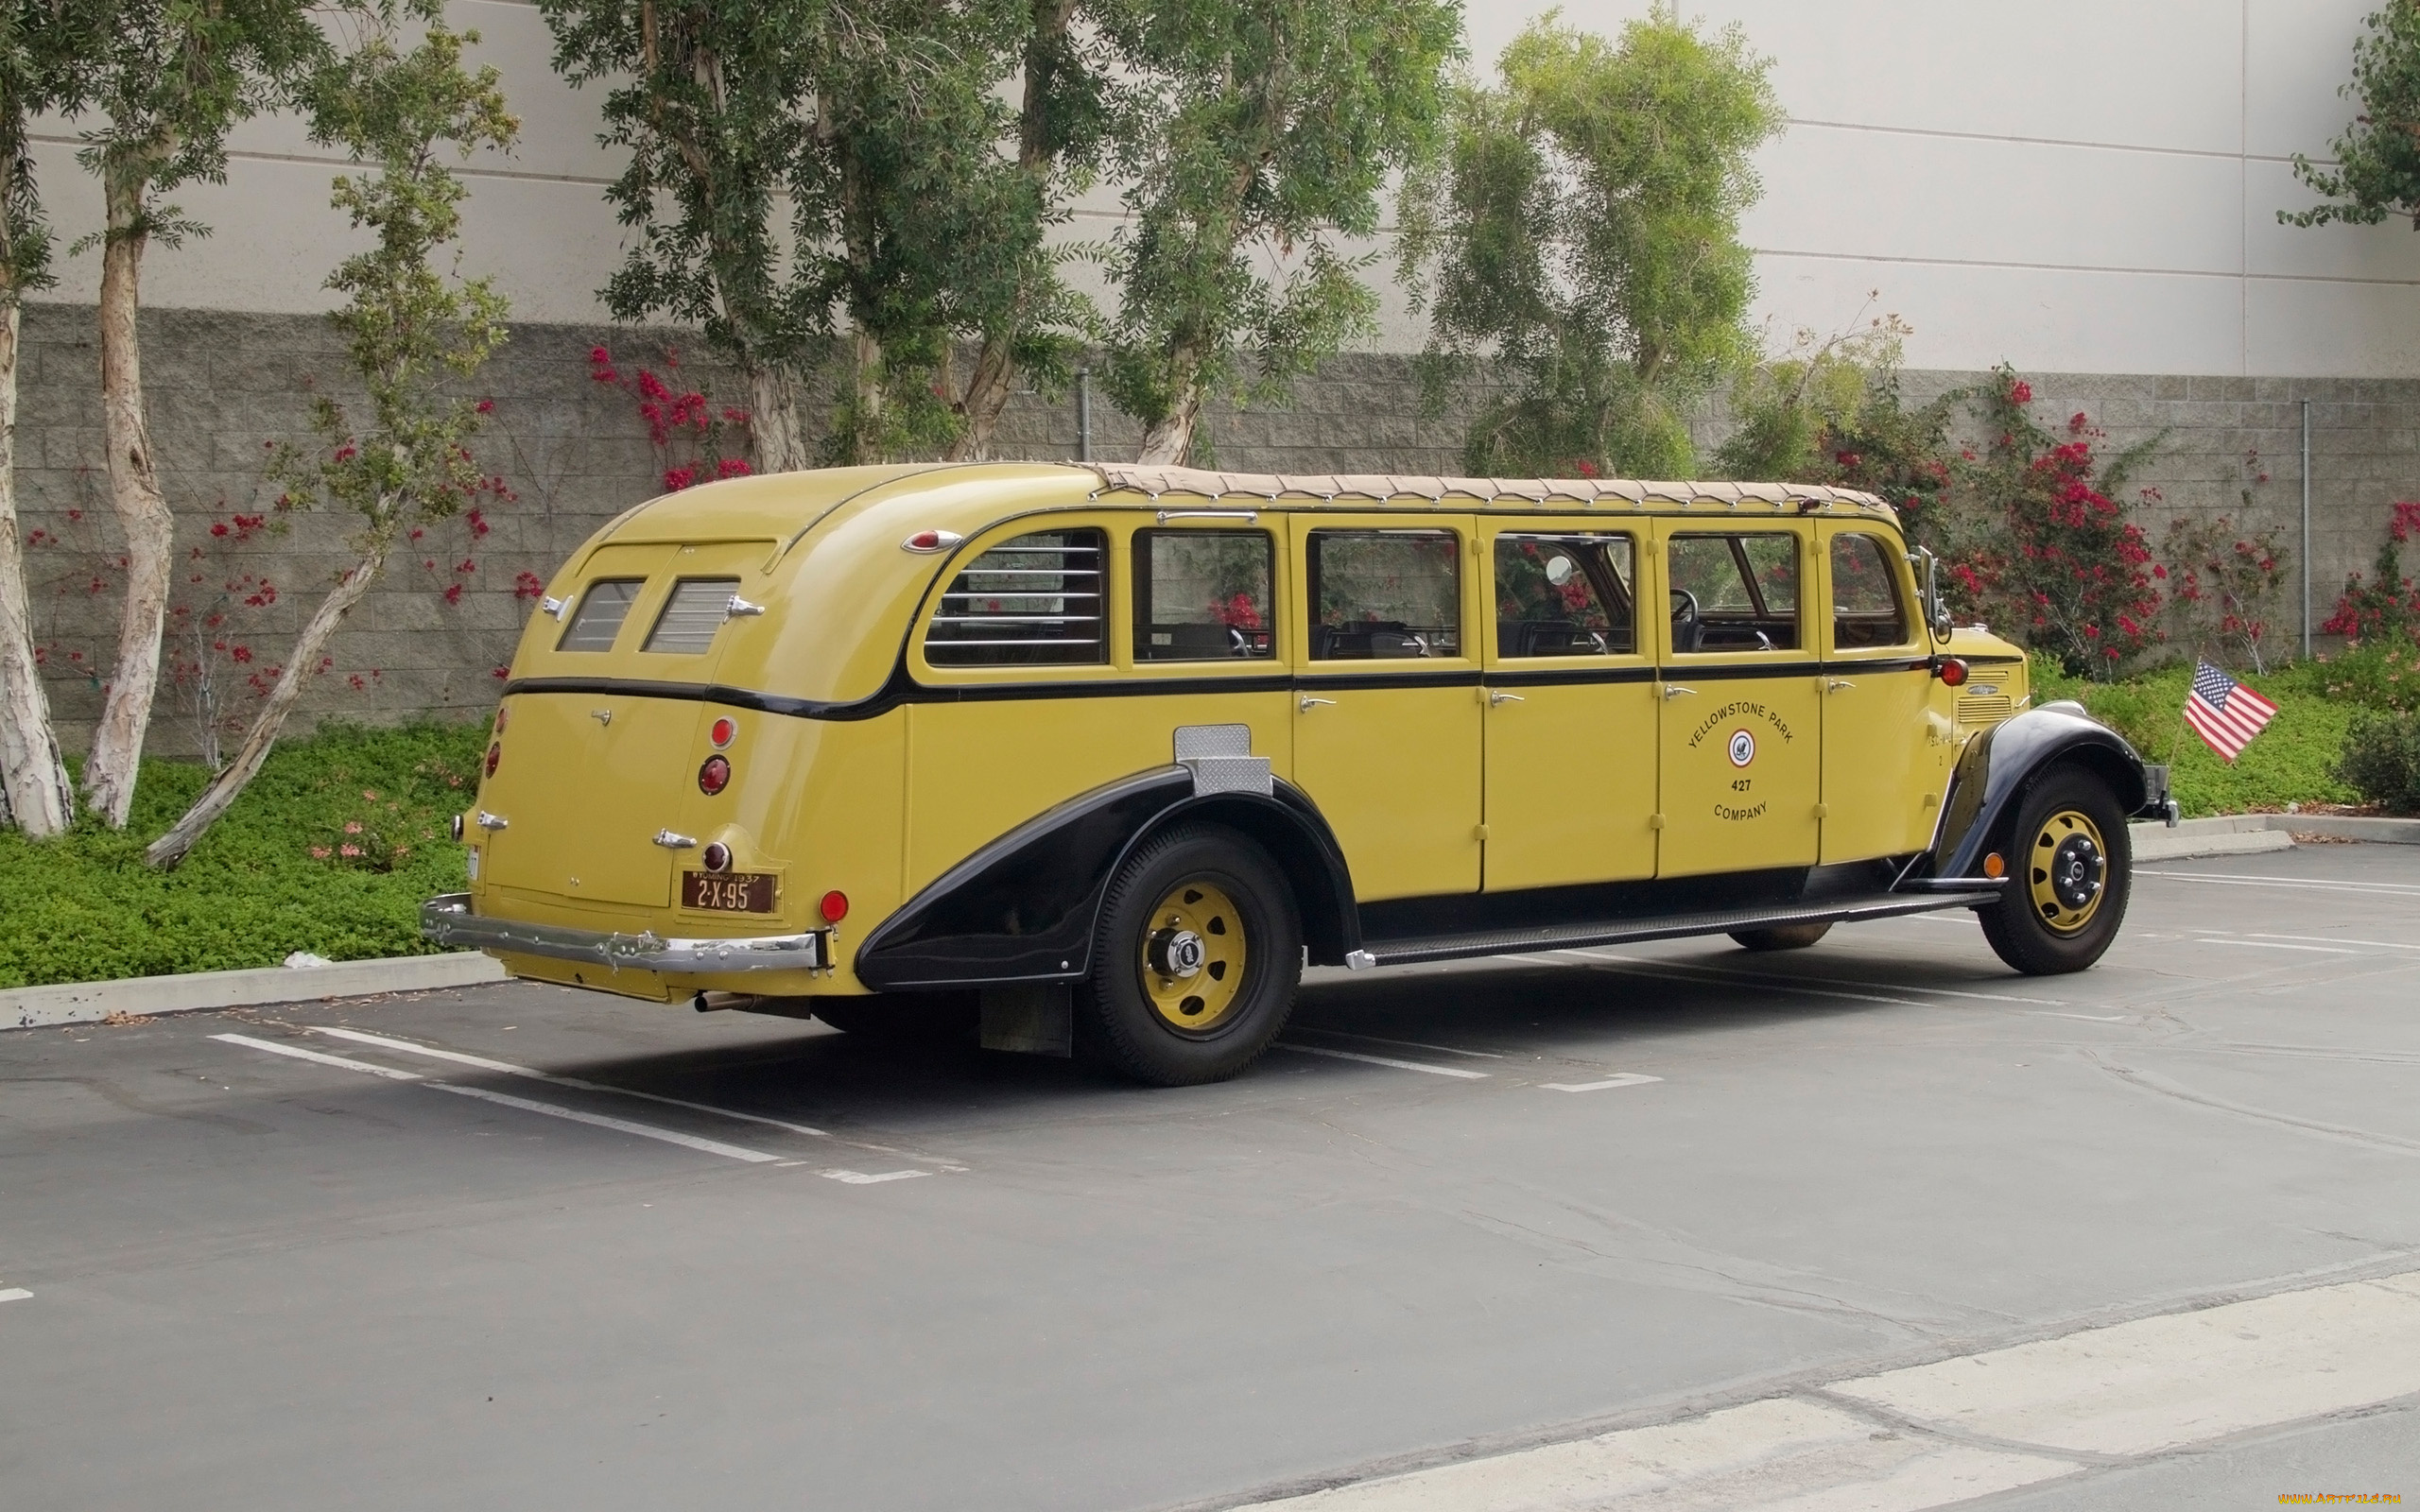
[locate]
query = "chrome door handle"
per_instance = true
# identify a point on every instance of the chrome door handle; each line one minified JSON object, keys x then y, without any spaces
{"x":1309,"y":704}
{"x":491,"y":822}
{"x":674,"y":842}
{"x":1836,"y":685}
{"x":1672,"y":692}
{"x":1494,"y":697}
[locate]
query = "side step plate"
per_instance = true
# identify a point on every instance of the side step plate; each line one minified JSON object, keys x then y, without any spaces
{"x":1665,"y":926}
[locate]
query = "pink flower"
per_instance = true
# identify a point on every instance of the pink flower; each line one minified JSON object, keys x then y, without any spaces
{"x":352,"y":827}
{"x":320,"y":852}
{"x":348,"y":849}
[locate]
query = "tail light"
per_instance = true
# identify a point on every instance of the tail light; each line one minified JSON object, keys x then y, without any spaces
{"x":1951,"y":671}
{"x":834,"y":907}
{"x":713,"y":776}
{"x":496,"y":754}
{"x":716,"y":857}
{"x":723,"y":731}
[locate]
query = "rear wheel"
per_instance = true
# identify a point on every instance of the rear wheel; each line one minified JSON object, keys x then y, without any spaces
{"x":1199,"y":954}
{"x":2070,"y":865}
{"x":1782,"y":936}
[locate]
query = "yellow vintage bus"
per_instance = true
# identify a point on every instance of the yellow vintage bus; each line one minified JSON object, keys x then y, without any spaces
{"x":1104,"y":756}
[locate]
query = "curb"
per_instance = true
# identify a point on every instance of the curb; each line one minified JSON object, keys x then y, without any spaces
{"x":2238,"y":834}
{"x":34,"y":1008}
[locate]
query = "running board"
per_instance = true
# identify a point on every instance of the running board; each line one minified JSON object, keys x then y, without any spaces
{"x":1667,"y":926}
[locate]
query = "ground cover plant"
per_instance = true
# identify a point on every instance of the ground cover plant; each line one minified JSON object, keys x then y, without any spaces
{"x":331,"y":850}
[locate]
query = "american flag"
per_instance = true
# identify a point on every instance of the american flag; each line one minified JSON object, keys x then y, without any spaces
{"x":2224,"y":712}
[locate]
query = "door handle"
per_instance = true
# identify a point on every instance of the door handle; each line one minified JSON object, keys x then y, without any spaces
{"x":1672,"y":692}
{"x":675,"y":842}
{"x":1494,"y":697}
{"x":1836,"y":685}
{"x":1309,"y":704}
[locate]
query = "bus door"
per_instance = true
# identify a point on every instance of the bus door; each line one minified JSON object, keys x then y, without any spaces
{"x":1884,"y":767}
{"x":1387,"y":707}
{"x":1571,"y":708}
{"x":1741,"y":739}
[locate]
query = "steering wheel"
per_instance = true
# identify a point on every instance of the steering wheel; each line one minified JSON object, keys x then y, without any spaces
{"x":1237,"y":643}
{"x":1685,"y":620}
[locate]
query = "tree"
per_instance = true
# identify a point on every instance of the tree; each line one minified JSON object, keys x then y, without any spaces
{"x":1577,"y":241}
{"x":2378,"y":168}
{"x":1268,"y":129}
{"x":172,"y":77}
{"x":708,"y":97}
{"x":408,"y":330}
{"x":40,"y":47}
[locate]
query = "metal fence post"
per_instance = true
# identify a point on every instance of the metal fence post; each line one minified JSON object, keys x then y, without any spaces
{"x":2305,"y":529}
{"x":1084,"y":416}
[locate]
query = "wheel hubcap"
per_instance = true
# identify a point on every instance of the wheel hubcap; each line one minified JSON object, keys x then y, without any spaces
{"x":2067,"y":871}
{"x":1193,"y":958}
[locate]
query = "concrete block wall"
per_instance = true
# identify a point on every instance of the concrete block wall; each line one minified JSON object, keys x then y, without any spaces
{"x":220,"y":385}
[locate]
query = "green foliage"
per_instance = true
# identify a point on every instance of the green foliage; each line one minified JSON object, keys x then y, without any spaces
{"x":84,"y":908}
{"x":1264,"y":130}
{"x":45,"y":50}
{"x":2293,"y":760}
{"x":1578,"y":240}
{"x":173,"y":77}
{"x":408,"y":327}
{"x":2378,"y":171}
{"x":2382,"y":673}
{"x":2386,"y":602}
{"x":2381,"y":760}
{"x":2223,"y":589}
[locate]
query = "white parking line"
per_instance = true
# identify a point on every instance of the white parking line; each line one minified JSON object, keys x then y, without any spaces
{"x":2328,"y":939}
{"x":15,"y":1294}
{"x":508,"y":1068}
{"x":1381,"y":1060}
{"x":649,"y":1132}
{"x":862,"y":1179}
{"x":1937,"y":1435}
{"x":1780,"y":979}
{"x":1408,"y":1044}
{"x":2276,"y":945}
{"x":300,"y":1054}
{"x":1627,"y":1078}
{"x":2389,"y":890}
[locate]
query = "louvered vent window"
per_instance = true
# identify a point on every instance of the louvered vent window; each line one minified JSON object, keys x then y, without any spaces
{"x":600,"y":615}
{"x":1034,"y":600}
{"x":687,"y":625}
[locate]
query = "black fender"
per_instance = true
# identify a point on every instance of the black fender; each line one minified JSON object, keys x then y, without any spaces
{"x":1999,"y":764}
{"x":1025,"y":906}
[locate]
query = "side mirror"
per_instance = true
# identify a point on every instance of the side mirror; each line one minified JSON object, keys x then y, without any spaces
{"x":1936,"y":607}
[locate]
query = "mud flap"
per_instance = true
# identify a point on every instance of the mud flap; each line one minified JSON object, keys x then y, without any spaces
{"x":1030,"y":1019}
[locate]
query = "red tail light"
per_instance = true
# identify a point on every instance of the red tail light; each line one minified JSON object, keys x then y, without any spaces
{"x":723,"y":732}
{"x":1951,"y":671}
{"x":496,"y":754}
{"x":835,"y":907}
{"x":713,"y":776}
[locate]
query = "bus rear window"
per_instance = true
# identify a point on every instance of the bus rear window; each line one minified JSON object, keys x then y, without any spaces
{"x":1034,"y":600}
{"x":600,"y":615}
{"x":697,"y":609}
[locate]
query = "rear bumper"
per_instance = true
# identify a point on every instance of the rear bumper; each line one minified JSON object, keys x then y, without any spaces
{"x":448,"y":920}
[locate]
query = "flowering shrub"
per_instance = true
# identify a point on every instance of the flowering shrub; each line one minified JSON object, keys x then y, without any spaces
{"x":2386,"y":603}
{"x":2381,"y":673}
{"x":2060,"y":565}
{"x":363,"y":842}
{"x":694,"y":440}
{"x":2221,"y":591}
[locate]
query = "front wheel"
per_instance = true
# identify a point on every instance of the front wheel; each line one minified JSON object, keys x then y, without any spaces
{"x":1199,"y":954}
{"x":2070,"y":862}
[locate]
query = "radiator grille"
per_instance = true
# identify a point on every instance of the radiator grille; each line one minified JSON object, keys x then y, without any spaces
{"x":1985,"y":709}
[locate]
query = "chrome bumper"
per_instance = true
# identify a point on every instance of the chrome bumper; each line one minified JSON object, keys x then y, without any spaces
{"x":448,"y":920}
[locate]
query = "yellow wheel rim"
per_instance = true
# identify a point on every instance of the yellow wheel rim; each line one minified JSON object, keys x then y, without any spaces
{"x":1193,"y":957}
{"x":2066,"y":871}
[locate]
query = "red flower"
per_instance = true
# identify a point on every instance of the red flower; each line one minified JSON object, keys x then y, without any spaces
{"x":454,"y":594}
{"x":2021,"y":392}
{"x":485,"y":407}
{"x":677,"y":478}
{"x":732,"y":467}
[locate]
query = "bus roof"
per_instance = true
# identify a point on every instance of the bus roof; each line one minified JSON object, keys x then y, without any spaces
{"x":1153,"y":482}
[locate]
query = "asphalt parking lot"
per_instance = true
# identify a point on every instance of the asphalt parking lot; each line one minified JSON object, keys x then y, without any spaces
{"x":515,"y":1245}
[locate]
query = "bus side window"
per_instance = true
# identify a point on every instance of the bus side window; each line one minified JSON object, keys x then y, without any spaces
{"x":1032,"y":600}
{"x":1733,"y":592}
{"x":1866,"y":609}
{"x":1203,"y":595}
{"x":1382,"y":593}
{"x":1563,"y":596}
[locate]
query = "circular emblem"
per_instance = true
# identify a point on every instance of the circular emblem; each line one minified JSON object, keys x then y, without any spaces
{"x":1743,"y":748}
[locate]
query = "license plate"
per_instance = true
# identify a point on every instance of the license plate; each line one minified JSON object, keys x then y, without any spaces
{"x":728,"y":892}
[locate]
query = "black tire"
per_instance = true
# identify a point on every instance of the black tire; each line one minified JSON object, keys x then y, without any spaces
{"x":1782,"y":936}
{"x":1243,"y":908}
{"x":2067,"y":818}
{"x":906,"y":1018}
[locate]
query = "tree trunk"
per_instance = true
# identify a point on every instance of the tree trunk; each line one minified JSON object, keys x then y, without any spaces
{"x":1168,"y":439}
{"x":283,"y":695}
{"x":35,"y":794}
{"x":141,"y":509}
{"x":773,"y":430}
{"x":867,"y":374}
{"x":987,"y":394}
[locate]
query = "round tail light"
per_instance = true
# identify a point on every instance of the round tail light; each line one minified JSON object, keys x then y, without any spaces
{"x":1952,"y":672}
{"x":723,"y":732}
{"x":713,"y":776}
{"x":834,"y":907}
{"x":716,"y":857}
{"x":496,"y":754}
